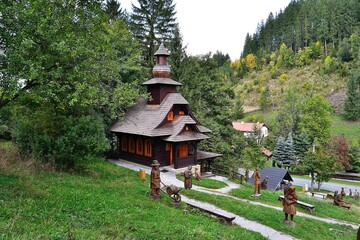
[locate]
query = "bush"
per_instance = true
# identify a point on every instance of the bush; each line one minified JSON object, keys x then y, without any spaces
{"x":66,"y":142}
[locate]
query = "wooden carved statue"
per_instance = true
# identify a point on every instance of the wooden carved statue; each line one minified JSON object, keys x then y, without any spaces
{"x":289,"y":202}
{"x":155,"y":180}
{"x":338,"y":200}
{"x":257,"y":181}
{"x":264,"y":183}
{"x":188,"y":178}
{"x":197,"y":174}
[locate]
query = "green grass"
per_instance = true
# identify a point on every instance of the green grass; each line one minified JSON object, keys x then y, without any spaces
{"x":306,"y":228}
{"x":338,"y":181}
{"x":205,"y":182}
{"x":323,"y":208}
{"x":351,"y":130}
{"x":103,"y":202}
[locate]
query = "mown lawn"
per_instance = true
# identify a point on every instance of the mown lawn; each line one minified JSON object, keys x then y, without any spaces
{"x":306,"y":228}
{"x":103,"y":202}
{"x":323,"y":208}
{"x":205,"y":182}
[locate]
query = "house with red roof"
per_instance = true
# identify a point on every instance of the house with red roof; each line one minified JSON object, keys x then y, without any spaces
{"x":258,"y":130}
{"x":162,"y":127}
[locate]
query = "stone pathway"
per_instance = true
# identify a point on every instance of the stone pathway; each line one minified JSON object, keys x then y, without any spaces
{"x":169,"y":178}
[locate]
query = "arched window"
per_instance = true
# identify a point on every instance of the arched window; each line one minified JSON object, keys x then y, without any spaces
{"x":131,"y":145}
{"x":148,"y":148}
{"x":139,"y":146}
{"x":183,"y":150}
{"x":124,"y":144}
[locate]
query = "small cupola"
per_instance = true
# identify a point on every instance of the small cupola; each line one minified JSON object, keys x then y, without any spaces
{"x":161,"y":69}
{"x":161,"y":84}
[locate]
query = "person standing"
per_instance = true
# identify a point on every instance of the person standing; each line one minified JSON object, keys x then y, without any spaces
{"x":155,"y":180}
{"x":188,"y":178}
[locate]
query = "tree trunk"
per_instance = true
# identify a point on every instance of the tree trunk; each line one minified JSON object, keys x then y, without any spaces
{"x":312,"y":182}
{"x":319,"y":185}
{"x":246,"y":175}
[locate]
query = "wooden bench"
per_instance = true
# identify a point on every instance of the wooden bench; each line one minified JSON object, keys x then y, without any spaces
{"x":222,"y":217}
{"x":323,"y":195}
{"x":310,"y":207}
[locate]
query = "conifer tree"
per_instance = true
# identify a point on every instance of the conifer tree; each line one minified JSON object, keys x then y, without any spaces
{"x":151,"y":23}
{"x":301,"y":145}
{"x":279,"y":154}
{"x":113,"y":9}
{"x":352,"y":102}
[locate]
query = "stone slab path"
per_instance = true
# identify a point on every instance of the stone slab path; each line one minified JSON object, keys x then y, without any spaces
{"x":169,"y":178}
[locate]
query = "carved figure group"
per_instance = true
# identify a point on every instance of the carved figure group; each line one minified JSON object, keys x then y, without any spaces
{"x":289,"y":202}
{"x":188,"y":178}
{"x":339,"y":201}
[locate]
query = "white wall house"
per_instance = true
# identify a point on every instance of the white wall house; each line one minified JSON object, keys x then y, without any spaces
{"x":258,"y":130}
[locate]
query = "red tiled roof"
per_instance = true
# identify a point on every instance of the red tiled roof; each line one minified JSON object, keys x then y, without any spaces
{"x":246,"y":127}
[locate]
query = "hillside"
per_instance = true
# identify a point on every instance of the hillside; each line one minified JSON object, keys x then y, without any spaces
{"x":309,"y":79}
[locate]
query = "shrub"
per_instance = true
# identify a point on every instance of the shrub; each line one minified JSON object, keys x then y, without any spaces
{"x":65,"y":141}
{"x":283,"y":78}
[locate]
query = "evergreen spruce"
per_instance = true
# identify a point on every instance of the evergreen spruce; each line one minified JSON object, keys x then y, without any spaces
{"x":113,"y":9}
{"x":151,"y":23}
{"x":352,"y":103}
{"x":279,"y":154}
{"x":301,"y":145}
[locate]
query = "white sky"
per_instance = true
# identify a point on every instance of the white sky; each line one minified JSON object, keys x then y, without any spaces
{"x":211,"y":25}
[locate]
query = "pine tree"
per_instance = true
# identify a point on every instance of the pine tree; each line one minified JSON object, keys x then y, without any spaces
{"x":178,"y":53}
{"x":301,"y":145}
{"x":151,"y":23}
{"x":352,"y":102}
{"x":279,"y":154}
{"x":113,"y":9}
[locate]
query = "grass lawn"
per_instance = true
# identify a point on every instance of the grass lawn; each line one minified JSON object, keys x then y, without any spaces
{"x":306,"y":228}
{"x":351,"y":130}
{"x":103,"y":202}
{"x":205,"y":182}
{"x":323,"y":208}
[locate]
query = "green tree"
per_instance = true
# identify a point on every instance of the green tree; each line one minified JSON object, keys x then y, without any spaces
{"x":178,"y":53}
{"x":68,"y":67}
{"x":321,"y":164}
{"x":151,"y":23}
{"x":251,"y":158}
{"x":352,"y":102}
{"x":221,"y":58}
{"x":284,"y":153}
{"x":288,"y":118}
{"x":316,"y":118}
{"x":354,"y":156}
{"x":301,"y":145}
{"x":114,"y":10}
{"x":264,"y":98}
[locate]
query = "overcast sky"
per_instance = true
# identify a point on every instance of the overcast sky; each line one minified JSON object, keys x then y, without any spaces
{"x":211,"y":25}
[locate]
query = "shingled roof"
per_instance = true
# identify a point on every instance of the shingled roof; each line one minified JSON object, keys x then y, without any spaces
{"x":275,"y":176}
{"x":167,"y":81}
{"x":145,"y":120}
